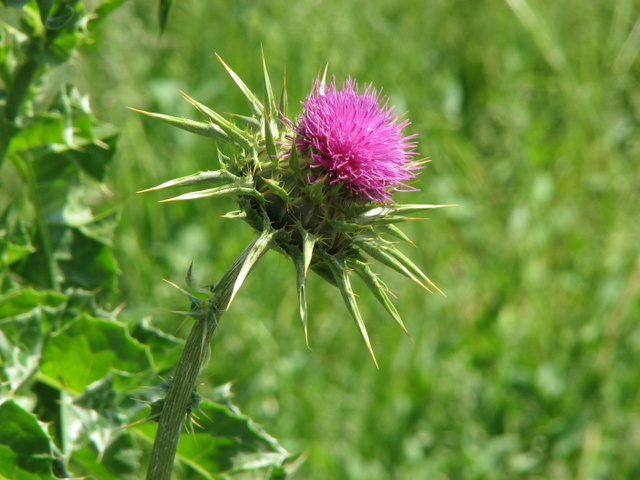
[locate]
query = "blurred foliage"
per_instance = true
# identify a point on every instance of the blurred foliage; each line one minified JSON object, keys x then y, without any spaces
{"x":529,"y":111}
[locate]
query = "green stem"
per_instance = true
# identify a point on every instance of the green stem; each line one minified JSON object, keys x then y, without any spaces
{"x":15,"y":98}
{"x":189,"y":366}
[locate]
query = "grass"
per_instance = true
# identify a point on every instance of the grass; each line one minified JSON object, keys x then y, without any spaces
{"x":529,"y":112}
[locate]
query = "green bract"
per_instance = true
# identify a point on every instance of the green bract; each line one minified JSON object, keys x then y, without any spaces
{"x":313,"y":223}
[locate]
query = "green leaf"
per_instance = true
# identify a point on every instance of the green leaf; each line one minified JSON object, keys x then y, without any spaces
{"x":26,"y":316}
{"x":17,"y":244}
{"x":85,"y":262}
{"x":61,"y":18}
{"x":120,"y":459}
{"x":165,"y":349}
{"x":89,"y":348}
{"x":105,"y":8}
{"x":25,"y":446}
{"x":44,"y":6}
{"x":44,"y":132}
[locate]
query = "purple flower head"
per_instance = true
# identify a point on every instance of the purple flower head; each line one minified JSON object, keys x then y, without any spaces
{"x":356,"y":140}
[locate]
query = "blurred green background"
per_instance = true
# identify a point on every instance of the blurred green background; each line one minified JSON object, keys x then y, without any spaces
{"x":529,"y":367}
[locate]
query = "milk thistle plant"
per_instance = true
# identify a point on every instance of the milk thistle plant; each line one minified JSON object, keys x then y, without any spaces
{"x":318,"y":188}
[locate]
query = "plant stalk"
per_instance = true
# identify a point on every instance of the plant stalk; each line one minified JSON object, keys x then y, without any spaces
{"x":15,"y":98}
{"x":195,"y":354}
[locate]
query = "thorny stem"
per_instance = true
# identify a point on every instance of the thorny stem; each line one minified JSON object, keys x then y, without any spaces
{"x":190,"y":364}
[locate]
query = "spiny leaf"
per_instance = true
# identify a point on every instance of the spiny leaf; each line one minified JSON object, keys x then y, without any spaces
{"x":257,"y":106}
{"x":201,"y":178}
{"x":284,"y":102}
{"x":241,"y":138}
{"x":309,"y":241}
{"x":270,"y":106}
{"x":193,"y":284}
{"x":393,"y":211}
{"x":411,"y":267}
{"x":341,"y":276}
{"x":301,"y":288}
{"x":379,"y":290}
{"x":302,"y":260}
{"x":26,"y":444}
{"x":200,"y":128}
{"x":263,"y":243}
{"x":251,"y":123}
{"x":412,"y":208}
{"x":392,"y":258}
{"x":275,"y":188}
{"x":192,"y":299}
{"x":394,"y":232}
{"x":236,"y":214}
{"x":269,"y":141}
{"x":226,"y":190}
{"x":294,"y":162}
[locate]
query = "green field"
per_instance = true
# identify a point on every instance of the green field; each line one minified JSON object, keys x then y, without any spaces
{"x":529,"y":111}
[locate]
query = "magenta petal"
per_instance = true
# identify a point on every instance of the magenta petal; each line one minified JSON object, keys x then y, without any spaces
{"x":356,"y":139}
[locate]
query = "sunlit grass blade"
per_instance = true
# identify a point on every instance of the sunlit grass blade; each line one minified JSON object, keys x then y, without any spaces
{"x":341,"y":277}
{"x":379,"y":290}
{"x":163,"y":13}
{"x":201,"y":178}
{"x":541,"y":33}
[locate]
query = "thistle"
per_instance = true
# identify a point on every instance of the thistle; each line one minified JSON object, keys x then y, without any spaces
{"x":317,"y":188}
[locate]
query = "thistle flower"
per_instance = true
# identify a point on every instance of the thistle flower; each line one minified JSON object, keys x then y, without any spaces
{"x":356,"y":140}
{"x":317,"y":189}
